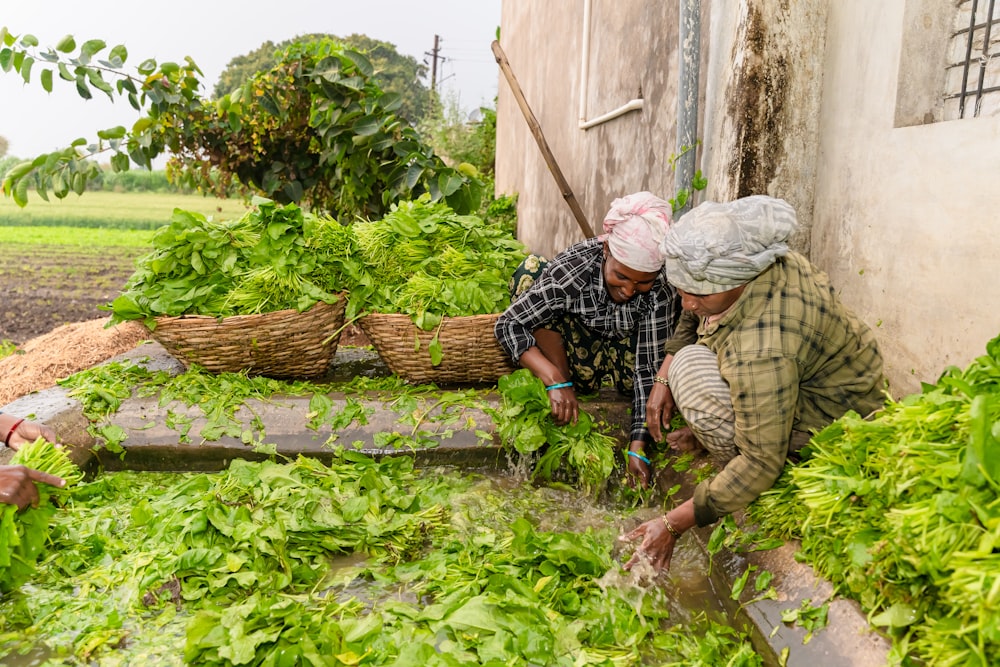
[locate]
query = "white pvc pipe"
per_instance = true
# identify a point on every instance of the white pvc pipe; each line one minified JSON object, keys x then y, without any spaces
{"x":632,"y":105}
{"x":585,"y":62}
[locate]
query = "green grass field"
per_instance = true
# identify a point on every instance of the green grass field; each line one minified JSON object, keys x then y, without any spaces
{"x":113,"y":210}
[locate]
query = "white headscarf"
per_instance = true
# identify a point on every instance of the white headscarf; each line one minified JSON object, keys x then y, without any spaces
{"x":719,"y":246}
{"x":634,"y":229}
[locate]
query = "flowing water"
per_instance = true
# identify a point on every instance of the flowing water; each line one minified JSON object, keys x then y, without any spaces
{"x":485,"y":507}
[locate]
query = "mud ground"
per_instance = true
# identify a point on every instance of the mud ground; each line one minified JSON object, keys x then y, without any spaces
{"x":62,"y":286}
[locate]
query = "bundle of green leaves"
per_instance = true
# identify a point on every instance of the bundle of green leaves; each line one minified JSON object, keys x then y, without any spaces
{"x":424,"y":260}
{"x":902,"y":512}
{"x":524,"y":423}
{"x":23,"y":535}
{"x":272,"y":258}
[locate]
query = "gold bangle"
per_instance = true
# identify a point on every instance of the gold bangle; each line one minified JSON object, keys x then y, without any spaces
{"x":662,"y":380}
{"x":670,"y":529}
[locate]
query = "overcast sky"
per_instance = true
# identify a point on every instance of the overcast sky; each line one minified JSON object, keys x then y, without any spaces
{"x":213,"y":32}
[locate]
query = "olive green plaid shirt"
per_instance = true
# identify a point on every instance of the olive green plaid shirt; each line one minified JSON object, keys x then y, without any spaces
{"x":795,"y":359}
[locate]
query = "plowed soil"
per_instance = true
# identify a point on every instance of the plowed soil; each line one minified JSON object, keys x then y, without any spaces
{"x":62,"y":286}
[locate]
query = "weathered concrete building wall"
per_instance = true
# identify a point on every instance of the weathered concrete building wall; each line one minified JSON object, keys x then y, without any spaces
{"x":762,"y":105}
{"x":833,"y":106}
{"x":905,"y":217}
{"x":632,"y":54}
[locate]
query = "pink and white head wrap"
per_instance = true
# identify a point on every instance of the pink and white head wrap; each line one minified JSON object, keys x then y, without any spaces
{"x":634,"y":229}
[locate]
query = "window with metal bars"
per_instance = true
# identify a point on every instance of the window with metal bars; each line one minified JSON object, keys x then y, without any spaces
{"x":973,"y":70}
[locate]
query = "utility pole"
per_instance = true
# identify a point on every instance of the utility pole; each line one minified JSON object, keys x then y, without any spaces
{"x":433,"y":53}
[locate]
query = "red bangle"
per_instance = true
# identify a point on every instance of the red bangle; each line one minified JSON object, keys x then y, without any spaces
{"x":6,"y":441}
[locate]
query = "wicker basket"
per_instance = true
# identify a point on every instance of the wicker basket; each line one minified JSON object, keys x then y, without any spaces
{"x":281,"y":344}
{"x":471,"y":352}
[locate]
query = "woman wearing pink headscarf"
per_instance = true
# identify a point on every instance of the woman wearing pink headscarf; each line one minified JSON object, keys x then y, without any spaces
{"x":598,"y":313}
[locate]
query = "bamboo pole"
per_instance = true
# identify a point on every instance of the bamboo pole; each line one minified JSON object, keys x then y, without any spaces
{"x":536,"y":132}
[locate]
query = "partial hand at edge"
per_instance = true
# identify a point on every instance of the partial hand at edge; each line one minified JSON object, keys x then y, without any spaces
{"x":17,"y":485}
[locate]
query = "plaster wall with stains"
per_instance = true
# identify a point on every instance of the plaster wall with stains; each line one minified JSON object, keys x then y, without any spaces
{"x":632,"y":53}
{"x":905,"y":220}
{"x":833,"y":106}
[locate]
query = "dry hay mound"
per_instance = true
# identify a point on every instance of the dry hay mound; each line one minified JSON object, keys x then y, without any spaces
{"x":68,"y":349}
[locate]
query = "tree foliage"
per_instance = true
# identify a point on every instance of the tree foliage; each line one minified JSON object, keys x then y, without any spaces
{"x":458,"y":139}
{"x":393,"y":71}
{"x":314,"y":129}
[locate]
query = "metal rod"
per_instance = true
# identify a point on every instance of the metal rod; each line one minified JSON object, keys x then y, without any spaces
{"x":991,"y":89}
{"x":687,"y":96}
{"x":983,"y":59}
{"x":968,"y":55}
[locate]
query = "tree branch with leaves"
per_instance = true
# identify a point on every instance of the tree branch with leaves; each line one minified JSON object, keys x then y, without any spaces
{"x":314,"y":130}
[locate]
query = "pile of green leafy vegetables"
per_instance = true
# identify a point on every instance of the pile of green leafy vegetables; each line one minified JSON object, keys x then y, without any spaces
{"x":524,"y":422}
{"x":424,"y":260}
{"x":901,"y":511}
{"x":361,"y":562}
{"x":23,"y":535}
{"x":272,"y":258}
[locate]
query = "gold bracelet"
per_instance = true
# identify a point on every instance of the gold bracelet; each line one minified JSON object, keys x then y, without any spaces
{"x":662,"y":380}
{"x":670,"y":529}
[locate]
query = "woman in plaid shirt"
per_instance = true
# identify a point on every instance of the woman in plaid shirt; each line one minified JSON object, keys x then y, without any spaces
{"x":600,"y":311}
{"x":764,"y":355}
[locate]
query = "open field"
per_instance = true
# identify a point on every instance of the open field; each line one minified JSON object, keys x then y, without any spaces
{"x":111,"y":210}
{"x":60,"y":273}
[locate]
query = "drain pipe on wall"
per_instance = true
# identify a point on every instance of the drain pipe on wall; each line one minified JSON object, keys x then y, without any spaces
{"x":631,"y":105}
{"x":687,"y":97}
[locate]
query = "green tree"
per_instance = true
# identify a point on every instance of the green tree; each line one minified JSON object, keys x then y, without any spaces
{"x":393,"y":71}
{"x":4,"y":146}
{"x":314,"y":129}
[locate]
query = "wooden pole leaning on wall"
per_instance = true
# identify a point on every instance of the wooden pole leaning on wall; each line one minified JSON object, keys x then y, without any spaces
{"x":536,"y":132}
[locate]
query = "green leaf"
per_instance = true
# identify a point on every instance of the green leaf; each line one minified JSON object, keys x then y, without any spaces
{"x":118,"y":55}
{"x":367,"y":126}
{"x":20,"y":193}
{"x":899,"y":615}
{"x":82,"y":89}
{"x":436,"y":351}
{"x":92,"y":47}
{"x":413,"y":174}
{"x":67,"y":44}
{"x":360,"y":61}
{"x":46,"y":79}
{"x":982,"y":456}
{"x":449,"y":182}
{"x":112,"y":133}
{"x":26,"y":68}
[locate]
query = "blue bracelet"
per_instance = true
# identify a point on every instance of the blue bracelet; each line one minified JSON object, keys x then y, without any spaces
{"x":560,"y":385}
{"x":640,"y":457}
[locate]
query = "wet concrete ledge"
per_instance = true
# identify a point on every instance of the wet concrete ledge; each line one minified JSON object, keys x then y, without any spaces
{"x":847,"y":641}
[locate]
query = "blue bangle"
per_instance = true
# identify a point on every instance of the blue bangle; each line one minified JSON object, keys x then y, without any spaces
{"x":640,"y":457}
{"x":559,"y":385}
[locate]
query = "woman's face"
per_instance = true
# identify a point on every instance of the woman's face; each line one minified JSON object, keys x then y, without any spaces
{"x":623,"y":283}
{"x":706,"y":305}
